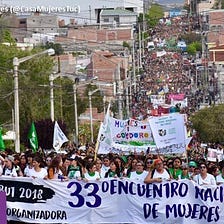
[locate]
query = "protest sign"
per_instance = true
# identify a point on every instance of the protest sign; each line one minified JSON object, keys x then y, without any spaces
{"x":168,"y":130}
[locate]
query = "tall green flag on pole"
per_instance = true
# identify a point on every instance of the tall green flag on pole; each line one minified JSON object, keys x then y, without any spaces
{"x":2,"y":144}
{"x":32,"y":136}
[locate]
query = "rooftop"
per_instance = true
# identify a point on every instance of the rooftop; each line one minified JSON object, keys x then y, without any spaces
{"x":117,"y":12}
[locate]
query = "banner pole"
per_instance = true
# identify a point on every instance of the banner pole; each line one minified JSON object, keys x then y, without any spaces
{"x":96,"y":149}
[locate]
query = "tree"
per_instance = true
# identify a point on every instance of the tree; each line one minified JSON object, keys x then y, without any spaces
{"x":31,"y":74}
{"x":190,"y":37}
{"x":218,"y":4}
{"x":7,"y":37}
{"x":45,"y":132}
{"x":57,"y":47}
{"x":194,"y":47}
{"x":154,"y":14}
{"x":209,"y":124}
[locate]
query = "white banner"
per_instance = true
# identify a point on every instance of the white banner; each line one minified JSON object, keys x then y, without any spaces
{"x":157,"y":99}
{"x":131,"y":132}
{"x":152,"y":149}
{"x":168,"y":130}
{"x":112,"y":201}
{"x":181,"y":103}
{"x":214,"y":155}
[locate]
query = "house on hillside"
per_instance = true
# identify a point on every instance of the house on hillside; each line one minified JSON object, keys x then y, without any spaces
{"x":175,"y":12}
{"x":216,"y":57}
{"x":107,"y":66}
{"x":215,"y":27}
{"x":35,"y":28}
{"x":118,"y":17}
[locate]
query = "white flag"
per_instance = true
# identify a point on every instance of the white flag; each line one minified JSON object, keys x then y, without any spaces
{"x":104,"y":135}
{"x":59,"y":137}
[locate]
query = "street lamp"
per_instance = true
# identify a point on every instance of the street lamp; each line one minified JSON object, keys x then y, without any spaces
{"x":52,"y":77}
{"x":16,"y":63}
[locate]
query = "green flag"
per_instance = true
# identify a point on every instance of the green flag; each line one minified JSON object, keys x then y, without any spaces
{"x":2,"y":145}
{"x":32,"y":136}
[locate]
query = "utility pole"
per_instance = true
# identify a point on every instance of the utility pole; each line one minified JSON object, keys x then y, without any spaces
{"x":127,"y":97}
{"x":133,"y":63}
{"x":76,"y":112}
{"x":139,"y":46}
{"x":51,"y":79}
{"x":90,"y":18}
{"x":120,"y":92}
{"x":90,"y":93}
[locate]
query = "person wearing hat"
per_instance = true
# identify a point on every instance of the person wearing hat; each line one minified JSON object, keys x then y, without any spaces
{"x":9,"y":168}
{"x":192,"y":165}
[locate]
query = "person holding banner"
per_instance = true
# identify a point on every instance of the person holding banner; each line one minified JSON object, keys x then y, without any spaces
{"x":91,"y":173}
{"x":204,"y":178}
{"x":149,"y":164}
{"x":158,"y":174}
{"x":121,"y":161}
{"x":74,"y":169}
{"x":9,"y":168}
{"x":114,"y":170}
{"x":29,"y":165}
{"x":1,"y":164}
{"x":105,"y":166}
{"x":55,"y":170}
{"x":98,"y":165}
{"x":176,"y":170}
{"x":132,"y":167}
{"x":139,"y":173}
{"x":37,"y":171}
{"x":220,"y":177}
{"x":23,"y":162}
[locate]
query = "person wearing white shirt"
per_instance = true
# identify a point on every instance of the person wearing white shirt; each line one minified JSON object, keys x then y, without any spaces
{"x":220,"y":177}
{"x":1,"y":164}
{"x":158,"y":174}
{"x":91,"y":173}
{"x":29,"y":164}
{"x":105,"y":167}
{"x":140,"y":173}
{"x":37,"y":171}
{"x":9,"y":168}
{"x":204,"y":178}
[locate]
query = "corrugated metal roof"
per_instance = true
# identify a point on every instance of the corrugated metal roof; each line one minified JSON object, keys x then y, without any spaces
{"x":117,"y":12}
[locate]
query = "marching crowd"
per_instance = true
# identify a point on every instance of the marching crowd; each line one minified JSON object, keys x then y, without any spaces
{"x":167,"y":69}
{"x":83,"y":165}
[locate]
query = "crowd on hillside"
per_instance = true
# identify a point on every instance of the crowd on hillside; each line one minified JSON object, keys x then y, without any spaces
{"x":166,"y":69}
